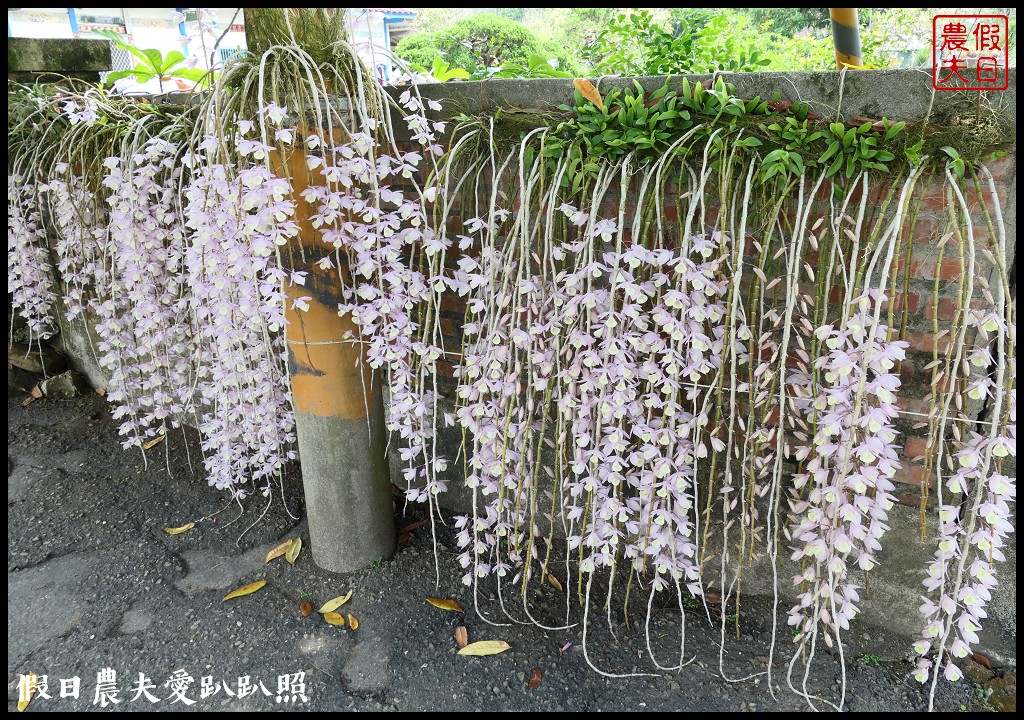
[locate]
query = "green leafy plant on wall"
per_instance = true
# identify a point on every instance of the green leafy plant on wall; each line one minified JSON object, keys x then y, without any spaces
{"x":153,"y":64}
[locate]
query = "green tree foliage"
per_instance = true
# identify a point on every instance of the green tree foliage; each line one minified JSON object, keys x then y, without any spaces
{"x":480,"y":42}
{"x":790,"y":21}
{"x":418,"y":49}
{"x":635,"y":44}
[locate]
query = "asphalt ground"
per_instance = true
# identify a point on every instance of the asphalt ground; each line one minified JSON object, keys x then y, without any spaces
{"x":96,"y":586}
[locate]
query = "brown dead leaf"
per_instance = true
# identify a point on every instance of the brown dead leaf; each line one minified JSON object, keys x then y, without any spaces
{"x":535,"y":679}
{"x":306,"y":608}
{"x":101,"y":391}
{"x":292,"y":554}
{"x":553,"y":581}
{"x":461,"y":636}
{"x":28,"y":401}
{"x":334,"y":604}
{"x":31,"y":684}
{"x":154,"y":442}
{"x":245,"y":590}
{"x":334,"y":618}
{"x":352,"y":622}
{"x":982,"y":660}
{"x":278,"y":551}
{"x":36,"y":392}
{"x":413,"y":525}
{"x":588,"y":91}
{"x":403,"y":538}
{"x":179,"y":530}
{"x":485,"y":647}
{"x":445,"y":604}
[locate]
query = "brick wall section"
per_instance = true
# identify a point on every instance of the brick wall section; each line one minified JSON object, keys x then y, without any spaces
{"x":918,"y":297}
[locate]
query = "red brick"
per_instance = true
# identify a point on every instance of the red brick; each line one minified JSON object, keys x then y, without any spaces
{"x":909,"y":500}
{"x":926,"y":229}
{"x":907,"y":373}
{"x":909,"y":299}
{"x":949,"y":269}
{"x":945,"y":311}
{"x":453,"y":303}
{"x":451,"y":329}
{"x":925,"y":341}
{"x":920,"y":406}
{"x":915,"y":447}
{"x":934,"y":196}
{"x":1001,"y":167}
{"x":912,"y":473}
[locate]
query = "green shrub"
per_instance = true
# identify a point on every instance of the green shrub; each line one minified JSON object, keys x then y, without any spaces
{"x":418,"y":49}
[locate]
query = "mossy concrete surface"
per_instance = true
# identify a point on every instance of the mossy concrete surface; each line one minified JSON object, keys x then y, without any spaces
{"x":29,"y":59}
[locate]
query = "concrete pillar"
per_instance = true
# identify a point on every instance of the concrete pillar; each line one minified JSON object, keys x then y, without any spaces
{"x":339,"y":412}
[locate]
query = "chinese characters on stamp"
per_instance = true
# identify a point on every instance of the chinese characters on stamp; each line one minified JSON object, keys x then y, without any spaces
{"x":970,"y":52}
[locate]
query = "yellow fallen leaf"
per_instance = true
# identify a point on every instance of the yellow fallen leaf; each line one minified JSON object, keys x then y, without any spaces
{"x":461,"y":636}
{"x":588,"y":91}
{"x":332,"y":605}
{"x":179,"y":530}
{"x":245,"y":590}
{"x":445,"y":604}
{"x":292,"y":553}
{"x":152,"y":443}
{"x":278,"y":551}
{"x":335,"y":618}
{"x":485,"y":647}
{"x":553,"y":581}
{"x":352,"y":622}
{"x":31,"y":681}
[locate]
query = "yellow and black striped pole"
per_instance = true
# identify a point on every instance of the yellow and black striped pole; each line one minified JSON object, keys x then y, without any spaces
{"x":846,"y":37}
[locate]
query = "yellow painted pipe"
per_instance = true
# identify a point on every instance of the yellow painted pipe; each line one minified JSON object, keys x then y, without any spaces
{"x":846,"y":37}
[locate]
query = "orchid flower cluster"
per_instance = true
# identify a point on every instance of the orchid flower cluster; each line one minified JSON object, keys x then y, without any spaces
{"x":972,"y":533}
{"x":144,"y":338}
{"x":841,"y":501}
{"x":29,"y":278}
{"x":237,"y":216}
{"x":361,"y":210}
{"x":80,"y":243}
{"x":613,"y":353}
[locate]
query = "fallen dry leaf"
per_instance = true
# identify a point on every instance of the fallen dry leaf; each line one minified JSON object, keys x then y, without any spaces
{"x":588,"y":91}
{"x":31,"y":681}
{"x":332,"y":605}
{"x":334,"y":618}
{"x":278,"y":551}
{"x":553,"y":581}
{"x":485,"y":647}
{"x":352,"y":622}
{"x":413,"y":525}
{"x":36,"y":392}
{"x":445,"y":604}
{"x":154,"y":442}
{"x":179,"y":530}
{"x":101,"y":391}
{"x":306,"y":608}
{"x":982,"y":660}
{"x":245,"y":590}
{"x":535,"y":679}
{"x":28,"y":401}
{"x":461,"y":636}
{"x":293,"y":551}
